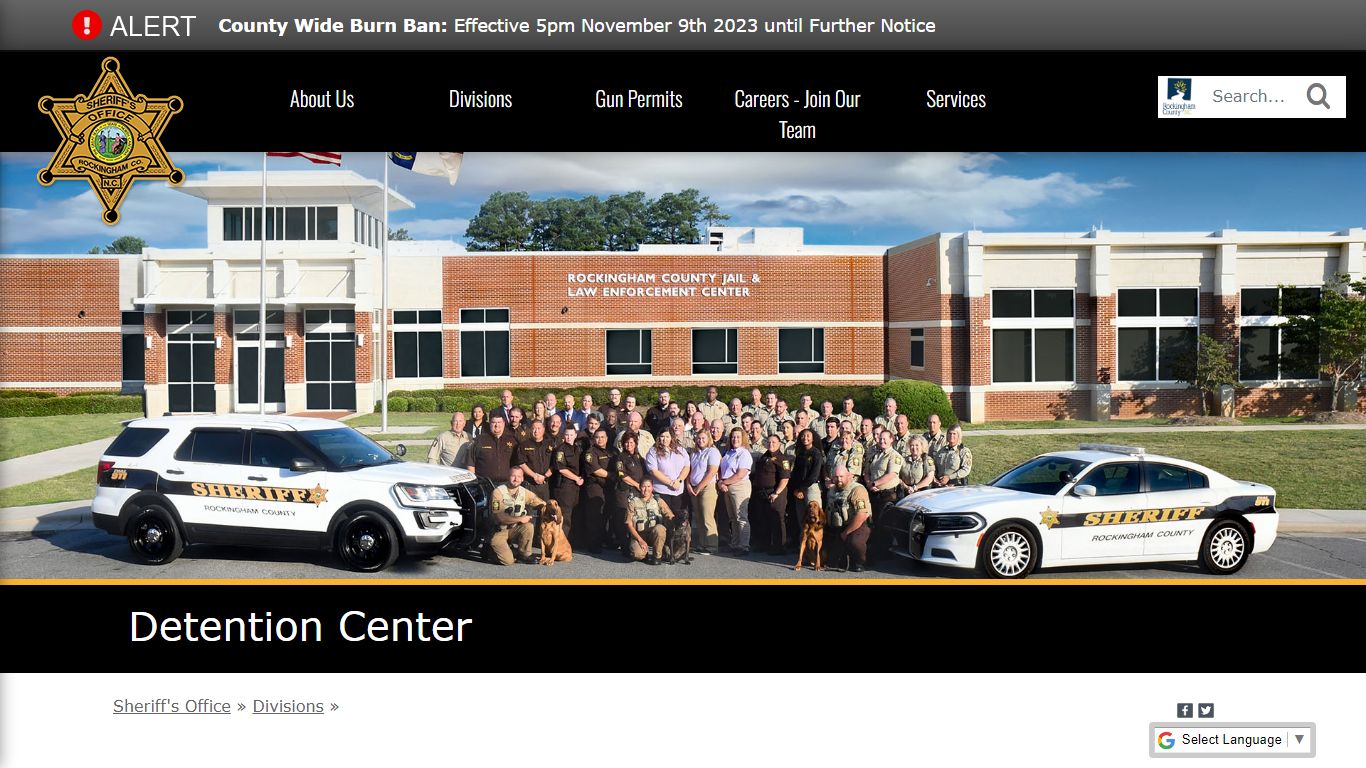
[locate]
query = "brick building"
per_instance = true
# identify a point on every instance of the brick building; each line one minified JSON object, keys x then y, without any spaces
{"x":1011,"y":325}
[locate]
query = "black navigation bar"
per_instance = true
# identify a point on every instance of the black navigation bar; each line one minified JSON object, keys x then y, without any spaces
{"x":714,"y":102}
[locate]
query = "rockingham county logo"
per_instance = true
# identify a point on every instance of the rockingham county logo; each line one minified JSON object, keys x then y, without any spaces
{"x":111,"y":138}
{"x":1180,"y":92}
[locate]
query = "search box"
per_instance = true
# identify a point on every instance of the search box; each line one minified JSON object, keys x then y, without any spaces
{"x":1317,"y":96}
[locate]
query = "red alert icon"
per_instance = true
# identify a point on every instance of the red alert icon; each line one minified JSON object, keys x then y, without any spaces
{"x":86,"y":25}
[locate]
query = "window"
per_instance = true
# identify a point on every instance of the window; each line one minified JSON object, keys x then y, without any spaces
{"x":1033,"y":336}
{"x":801,"y":350}
{"x":715,"y":351}
{"x":368,"y":229}
{"x":212,"y":446}
{"x":629,"y":352}
{"x":314,"y":222}
{"x":1165,"y":477}
{"x":1156,"y":327}
{"x":417,"y":343}
{"x":1114,"y":479}
{"x":135,"y":441}
{"x":1266,"y":352}
{"x":484,"y":343}
{"x":190,"y":360}
{"x":271,"y":450}
{"x":917,"y":347}
{"x":134,"y":343}
{"x":330,"y":359}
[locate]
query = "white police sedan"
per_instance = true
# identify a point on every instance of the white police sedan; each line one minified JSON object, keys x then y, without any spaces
{"x":281,"y":481}
{"x":1101,"y":504}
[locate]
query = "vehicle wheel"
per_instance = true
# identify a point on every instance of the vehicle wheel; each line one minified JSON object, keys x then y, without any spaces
{"x":1008,"y":552}
{"x":367,"y":542}
{"x":153,"y":536}
{"x":1225,"y":548}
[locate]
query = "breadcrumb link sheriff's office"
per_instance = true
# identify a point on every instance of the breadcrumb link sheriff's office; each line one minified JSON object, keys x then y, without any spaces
{"x":1011,"y":325}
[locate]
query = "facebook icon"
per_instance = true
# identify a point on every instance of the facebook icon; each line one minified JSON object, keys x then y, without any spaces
{"x":1185,"y":710}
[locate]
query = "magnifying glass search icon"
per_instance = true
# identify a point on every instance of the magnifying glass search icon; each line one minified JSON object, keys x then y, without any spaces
{"x":1317,"y":95}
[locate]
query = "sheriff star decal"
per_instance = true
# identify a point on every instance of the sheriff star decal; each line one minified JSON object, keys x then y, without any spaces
{"x":1049,"y":517}
{"x":111,"y":137}
{"x":317,"y":494}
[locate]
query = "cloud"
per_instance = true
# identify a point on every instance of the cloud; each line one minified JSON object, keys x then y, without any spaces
{"x":151,"y":210}
{"x":924,"y":190}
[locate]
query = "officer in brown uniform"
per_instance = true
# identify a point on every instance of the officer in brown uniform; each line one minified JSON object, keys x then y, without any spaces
{"x":768,"y":500}
{"x":514,"y":517}
{"x":492,"y":454}
{"x":517,"y":425}
{"x":848,"y":516}
{"x":647,"y":524}
{"x":567,"y":467}
{"x":597,"y":462}
{"x":613,"y":406}
{"x":627,"y":471}
{"x":451,"y":447}
{"x":534,"y":456}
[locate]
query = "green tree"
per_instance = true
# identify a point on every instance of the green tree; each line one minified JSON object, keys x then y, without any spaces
{"x":1206,"y":366}
{"x":400,"y":234}
{"x":565,"y":224}
{"x":126,"y":244}
{"x":677,"y":217}
{"x":502,"y":224}
{"x":1331,"y":340}
{"x":627,"y":219}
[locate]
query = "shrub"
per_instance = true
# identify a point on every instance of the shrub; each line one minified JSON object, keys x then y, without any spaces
{"x":451,"y":404}
{"x":916,"y":399}
{"x":422,"y":404}
{"x":69,"y":405}
{"x":6,"y":394}
{"x":398,"y":404}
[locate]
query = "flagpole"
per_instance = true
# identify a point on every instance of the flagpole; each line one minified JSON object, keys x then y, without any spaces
{"x":261,"y":320}
{"x":384,"y":309}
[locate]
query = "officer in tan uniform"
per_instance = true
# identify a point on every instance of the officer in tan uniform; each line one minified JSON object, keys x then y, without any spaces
{"x":644,"y":440}
{"x":917,"y":473}
{"x":847,"y":525}
{"x":953,"y":463}
{"x":887,"y":419}
{"x":711,"y":407}
{"x":867,"y":437}
{"x":733,"y":418}
{"x":882,"y":473}
{"x":935,"y":435}
{"x":812,"y":415}
{"x":451,"y":447}
{"x":848,"y":414}
{"x":901,"y":441}
{"x":756,"y":407}
{"x":647,"y":524}
{"x":535,"y":456}
{"x":846,"y":451}
{"x":774,"y":425}
{"x":514,"y":515}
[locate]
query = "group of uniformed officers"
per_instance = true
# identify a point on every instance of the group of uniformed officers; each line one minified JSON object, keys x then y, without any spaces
{"x":628,"y":478}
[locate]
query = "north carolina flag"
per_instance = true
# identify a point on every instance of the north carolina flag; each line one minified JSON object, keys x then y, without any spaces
{"x":321,"y":158}
{"x":430,"y":163}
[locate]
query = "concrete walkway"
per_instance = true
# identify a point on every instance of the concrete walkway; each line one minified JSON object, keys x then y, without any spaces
{"x":69,"y":515}
{"x":58,"y":461}
{"x":1119,"y":431}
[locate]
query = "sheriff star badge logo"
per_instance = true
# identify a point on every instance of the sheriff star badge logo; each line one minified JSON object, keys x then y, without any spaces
{"x":110,"y":137}
{"x":1049,"y":517}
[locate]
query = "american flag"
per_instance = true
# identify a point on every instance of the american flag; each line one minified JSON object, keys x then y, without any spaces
{"x":321,"y":158}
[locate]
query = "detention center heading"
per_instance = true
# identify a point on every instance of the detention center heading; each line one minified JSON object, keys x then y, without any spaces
{"x":178,"y":26}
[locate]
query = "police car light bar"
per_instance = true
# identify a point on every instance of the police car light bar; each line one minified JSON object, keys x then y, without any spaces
{"x":1131,"y":450}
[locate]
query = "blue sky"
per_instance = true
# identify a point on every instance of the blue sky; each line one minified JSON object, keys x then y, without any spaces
{"x":840,"y":198}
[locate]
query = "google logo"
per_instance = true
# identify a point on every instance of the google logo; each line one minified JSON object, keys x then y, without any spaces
{"x":1165,"y":740}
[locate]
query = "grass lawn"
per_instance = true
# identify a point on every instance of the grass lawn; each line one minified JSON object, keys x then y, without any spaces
{"x":1115,"y":423}
{"x":405,"y":419}
{"x":73,"y":486}
{"x":1317,"y":470}
{"x":22,"y":436}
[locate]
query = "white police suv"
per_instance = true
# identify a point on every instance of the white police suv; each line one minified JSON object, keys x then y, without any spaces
{"x":284,"y":481}
{"x":1101,"y":504}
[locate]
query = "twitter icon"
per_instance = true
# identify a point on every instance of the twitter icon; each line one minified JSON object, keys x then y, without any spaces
{"x":1207,"y":710}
